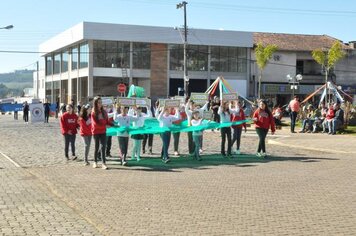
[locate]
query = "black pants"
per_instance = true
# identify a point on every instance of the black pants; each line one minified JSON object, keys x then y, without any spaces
{"x":16,"y":115}
{"x":237,"y":137}
{"x":225,"y":133}
{"x":176,"y":141}
{"x":25,"y":116}
{"x":100,"y":140}
{"x":191,"y":146}
{"x":262,"y":133}
{"x":69,"y":139}
{"x":293,"y":118}
{"x":123,"y":144}
{"x":46,"y":116}
{"x":150,"y":142}
{"x":108,"y":145}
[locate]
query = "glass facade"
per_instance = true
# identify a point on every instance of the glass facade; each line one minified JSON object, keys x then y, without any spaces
{"x":49,"y":65}
{"x":75,"y":58}
{"x":64,"y":61}
{"x":141,"y":56}
{"x":229,"y":59}
{"x":84,"y":55}
{"x":111,"y":54}
{"x":197,"y":57}
{"x":57,"y":64}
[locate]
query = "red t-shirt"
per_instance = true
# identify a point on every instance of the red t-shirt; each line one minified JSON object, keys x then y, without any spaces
{"x":264,"y":120}
{"x":69,"y":122}
{"x":238,"y":116}
{"x":85,"y":127}
{"x":99,"y":125}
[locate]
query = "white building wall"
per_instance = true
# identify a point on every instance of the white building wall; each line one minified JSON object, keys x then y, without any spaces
{"x":280,"y":65}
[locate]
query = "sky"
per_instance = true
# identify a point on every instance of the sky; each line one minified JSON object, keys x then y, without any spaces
{"x":36,"y":21}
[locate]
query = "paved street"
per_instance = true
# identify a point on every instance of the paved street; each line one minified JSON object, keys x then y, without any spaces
{"x":306,"y":187}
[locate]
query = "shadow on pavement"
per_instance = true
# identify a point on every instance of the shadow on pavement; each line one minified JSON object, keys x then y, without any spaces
{"x":242,"y":161}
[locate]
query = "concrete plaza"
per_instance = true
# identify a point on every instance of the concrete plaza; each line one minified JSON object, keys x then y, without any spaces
{"x":306,"y":187}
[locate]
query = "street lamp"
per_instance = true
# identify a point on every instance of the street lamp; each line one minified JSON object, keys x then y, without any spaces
{"x":294,"y":82}
{"x":7,"y":27}
{"x":185,"y":69}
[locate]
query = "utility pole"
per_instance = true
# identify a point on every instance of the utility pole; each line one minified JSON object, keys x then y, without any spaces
{"x":185,"y":61}
{"x":37,"y":83}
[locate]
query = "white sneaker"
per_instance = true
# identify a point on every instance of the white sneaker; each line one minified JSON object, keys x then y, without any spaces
{"x":104,"y":167}
{"x":176,"y":154}
{"x":200,"y":151}
{"x":263,"y":154}
{"x":124,"y":163}
{"x":258,"y":154}
{"x":237,"y":152}
{"x":95,"y":165}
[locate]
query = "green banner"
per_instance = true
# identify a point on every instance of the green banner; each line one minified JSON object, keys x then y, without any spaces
{"x":152,"y":127}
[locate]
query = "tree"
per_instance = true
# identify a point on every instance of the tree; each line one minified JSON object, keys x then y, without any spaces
{"x":263,"y":55}
{"x":328,"y":58}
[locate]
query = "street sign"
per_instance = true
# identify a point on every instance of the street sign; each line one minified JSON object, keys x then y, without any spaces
{"x":121,"y":88}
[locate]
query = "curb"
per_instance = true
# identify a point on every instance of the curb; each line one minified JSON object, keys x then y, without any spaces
{"x":273,"y":142}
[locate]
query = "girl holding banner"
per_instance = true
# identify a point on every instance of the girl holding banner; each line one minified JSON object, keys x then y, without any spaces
{"x":165,"y":121}
{"x":225,"y":113}
{"x":123,"y":120}
{"x":139,"y":122}
{"x":237,"y":115}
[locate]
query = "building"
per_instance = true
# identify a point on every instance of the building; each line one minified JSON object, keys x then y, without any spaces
{"x":92,"y":58}
{"x":294,"y":57}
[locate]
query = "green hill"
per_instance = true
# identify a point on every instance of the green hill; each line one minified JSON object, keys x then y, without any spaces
{"x":12,"y":84}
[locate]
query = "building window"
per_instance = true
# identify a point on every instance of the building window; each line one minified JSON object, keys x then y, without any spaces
{"x":64,"y":61}
{"x":141,"y":56}
{"x":176,"y":57}
{"x":57,"y":64}
{"x":74,"y":58}
{"x":229,"y":59}
{"x":84,"y":55}
{"x":49,"y":65}
{"x":111,"y":54}
{"x":197,"y":58}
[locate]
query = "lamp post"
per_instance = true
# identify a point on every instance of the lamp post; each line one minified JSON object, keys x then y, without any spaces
{"x":294,"y":82}
{"x":185,"y":69}
{"x":7,"y":27}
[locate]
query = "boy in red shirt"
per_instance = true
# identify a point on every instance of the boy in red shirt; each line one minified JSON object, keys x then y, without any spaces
{"x":69,"y":125}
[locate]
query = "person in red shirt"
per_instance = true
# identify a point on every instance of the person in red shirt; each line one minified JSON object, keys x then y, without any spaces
{"x":237,"y":115}
{"x":263,"y":120}
{"x":69,"y":125}
{"x":100,"y":120}
{"x":330,"y":114}
{"x":294,"y":107}
{"x":85,"y":130}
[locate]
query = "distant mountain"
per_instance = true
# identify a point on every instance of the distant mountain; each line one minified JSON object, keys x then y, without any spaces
{"x":12,"y":84}
{"x":19,"y":76}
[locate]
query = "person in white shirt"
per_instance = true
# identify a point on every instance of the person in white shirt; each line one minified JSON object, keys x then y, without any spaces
{"x":123,"y":120}
{"x":140,"y":122}
{"x":165,"y":120}
{"x":225,"y":113}
{"x":196,"y":121}
{"x":189,"y":108}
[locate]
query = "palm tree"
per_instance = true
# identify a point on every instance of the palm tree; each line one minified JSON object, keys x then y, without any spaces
{"x":263,"y":55}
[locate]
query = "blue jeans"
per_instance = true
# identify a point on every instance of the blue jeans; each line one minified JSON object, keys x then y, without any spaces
{"x":293,"y":118}
{"x":236,"y":137}
{"x":197,"y":145}
{"x":166,"y":139}
{"x":334,"y":125}
{"x":310,"y":123}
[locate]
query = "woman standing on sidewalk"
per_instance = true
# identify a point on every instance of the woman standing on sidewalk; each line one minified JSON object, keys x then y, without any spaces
{"x":263,"y":120}
{"x":69,"y":125}
{"x":85,"y":130}
{"x":99,"y":119}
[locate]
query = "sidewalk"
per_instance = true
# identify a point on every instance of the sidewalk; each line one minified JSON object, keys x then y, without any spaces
{"x":341,"y":144}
